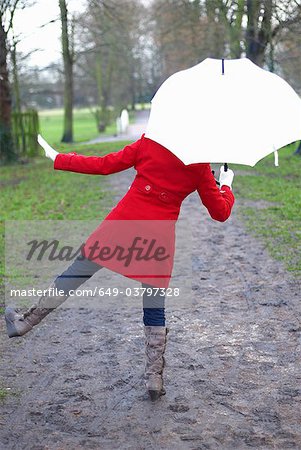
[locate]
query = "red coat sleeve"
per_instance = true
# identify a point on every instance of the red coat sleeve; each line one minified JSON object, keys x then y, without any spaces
{"x":219,"y":202}
{"x":99,"y":165}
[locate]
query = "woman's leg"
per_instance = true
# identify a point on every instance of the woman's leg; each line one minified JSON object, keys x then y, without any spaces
{"x":155,"y":340}
{"x":153,"y":307}
{"x":76,"y":274}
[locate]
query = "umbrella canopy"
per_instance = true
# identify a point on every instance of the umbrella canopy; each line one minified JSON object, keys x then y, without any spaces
{"x":221,"y":111}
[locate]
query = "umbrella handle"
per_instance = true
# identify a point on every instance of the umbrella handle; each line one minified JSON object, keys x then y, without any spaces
{"x":225,"y":169}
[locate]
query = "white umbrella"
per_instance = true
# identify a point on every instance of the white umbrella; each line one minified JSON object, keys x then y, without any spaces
{"x":221,"y":111}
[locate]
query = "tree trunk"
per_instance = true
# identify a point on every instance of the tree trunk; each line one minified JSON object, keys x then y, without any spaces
{"x":68,"y":72}
{"x":17,"y":97}
{"x":100,"y":112}
{"x":236,"y":31}
{"x":259,"y":32}
{"x":99,"y":81}
{"x":7,"y":151}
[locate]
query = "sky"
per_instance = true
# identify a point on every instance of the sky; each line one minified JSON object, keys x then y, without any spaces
{"x":27,"y":25}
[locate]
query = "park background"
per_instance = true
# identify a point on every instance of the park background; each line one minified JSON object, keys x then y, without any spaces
{"x":69,"y":72}
{"x":233,"y":356}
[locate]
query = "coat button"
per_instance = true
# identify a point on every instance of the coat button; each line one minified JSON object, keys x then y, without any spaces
{"x":147,"y":187}
{"x":164,"y":196}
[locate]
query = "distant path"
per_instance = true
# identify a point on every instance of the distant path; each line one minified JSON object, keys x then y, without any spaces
{"x":133,"y":133}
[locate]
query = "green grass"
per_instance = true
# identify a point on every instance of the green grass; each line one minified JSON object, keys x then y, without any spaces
{"x":51,"y":126}
{"x":274,"y":210}
{"x":3,"y":394}
{"x":35,"y":191}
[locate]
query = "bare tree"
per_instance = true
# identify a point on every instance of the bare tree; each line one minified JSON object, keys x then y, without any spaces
{"x":17,"y":94}
{"x":68,"y":58}
{"x":112,"y":55}
{"x":187,"y":31}
{"x":7,"y":151}
{"x":184,"y":32}
{"x":254,"y":26}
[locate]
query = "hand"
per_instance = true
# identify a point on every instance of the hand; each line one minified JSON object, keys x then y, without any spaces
{"x":49,"y":151}
{"x":226,"y":178}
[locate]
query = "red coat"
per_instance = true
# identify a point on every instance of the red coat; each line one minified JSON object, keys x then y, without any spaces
{"x":149,"y":209}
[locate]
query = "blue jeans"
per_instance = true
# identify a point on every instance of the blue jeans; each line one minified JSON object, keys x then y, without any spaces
{"x":82,"y":269}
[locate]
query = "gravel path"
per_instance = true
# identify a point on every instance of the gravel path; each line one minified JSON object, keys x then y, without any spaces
{"x":233,"y":358}
{"x":133,"y":132}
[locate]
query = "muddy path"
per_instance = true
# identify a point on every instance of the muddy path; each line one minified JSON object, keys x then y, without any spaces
{"x":233,"y":357}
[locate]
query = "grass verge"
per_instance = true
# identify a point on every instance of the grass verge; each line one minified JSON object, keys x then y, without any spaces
{"x":84,"y":126}
{"x":272,"y":203}
{"x":34,"y":191}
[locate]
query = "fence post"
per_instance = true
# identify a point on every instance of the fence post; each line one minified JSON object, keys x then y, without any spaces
{"x":25,"y":132}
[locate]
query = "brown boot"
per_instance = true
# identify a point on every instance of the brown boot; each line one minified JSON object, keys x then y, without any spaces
{"x":155,"y":343}
{"x":18,"y":324}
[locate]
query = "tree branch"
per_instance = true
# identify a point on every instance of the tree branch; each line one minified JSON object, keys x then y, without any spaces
{"x":12,"y":13}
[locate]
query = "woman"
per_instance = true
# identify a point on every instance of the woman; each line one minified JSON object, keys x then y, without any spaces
{"x":161,"y":184}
